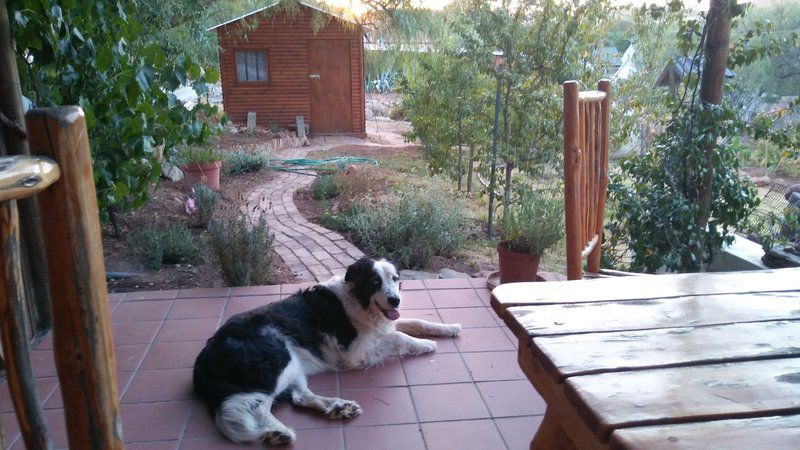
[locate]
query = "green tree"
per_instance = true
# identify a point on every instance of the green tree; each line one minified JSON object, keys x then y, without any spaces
{"x":94,"y":54}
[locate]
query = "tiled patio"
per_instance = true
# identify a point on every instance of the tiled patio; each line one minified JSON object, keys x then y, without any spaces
{"x":469,"y":394}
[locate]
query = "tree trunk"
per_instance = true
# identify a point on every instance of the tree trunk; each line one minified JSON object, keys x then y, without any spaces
{"x":470,"y":166}
{"x":712,"y":81}
{"x":459,"y":172}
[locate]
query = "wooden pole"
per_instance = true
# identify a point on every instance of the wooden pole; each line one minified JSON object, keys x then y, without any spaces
{"x":82,"y":340}
{"x":593,"y":261}
{"x":572,"y":158}
{"x":712,"y":82}
{"x":15,"y":143}
{"x":15,"y":334}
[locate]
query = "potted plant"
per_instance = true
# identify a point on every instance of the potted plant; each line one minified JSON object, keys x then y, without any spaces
{"x":529,"y":226}
{"x":201,"y":165}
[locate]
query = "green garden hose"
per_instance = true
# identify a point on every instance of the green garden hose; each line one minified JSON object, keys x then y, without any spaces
{"x":305,"y":166}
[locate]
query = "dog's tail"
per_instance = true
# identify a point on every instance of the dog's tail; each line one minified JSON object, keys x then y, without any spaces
{"x":245,"y":417}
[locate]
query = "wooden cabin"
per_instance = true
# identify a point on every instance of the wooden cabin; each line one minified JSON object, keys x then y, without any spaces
{"x":274,"y":63}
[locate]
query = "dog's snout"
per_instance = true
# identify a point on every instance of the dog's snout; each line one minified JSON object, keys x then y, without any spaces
{"x":394,"y":302}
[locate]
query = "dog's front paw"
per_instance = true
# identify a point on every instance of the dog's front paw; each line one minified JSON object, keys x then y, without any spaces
{"x":280,"y":437}
{"x":452,"y":329}
{"x":343,"y":409}
{"x":422,"y":346}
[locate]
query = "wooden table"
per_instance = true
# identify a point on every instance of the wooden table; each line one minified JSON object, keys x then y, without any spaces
{"x":668,"y":361}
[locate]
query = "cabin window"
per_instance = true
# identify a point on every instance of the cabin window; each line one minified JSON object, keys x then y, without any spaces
{"x":251,"y":66}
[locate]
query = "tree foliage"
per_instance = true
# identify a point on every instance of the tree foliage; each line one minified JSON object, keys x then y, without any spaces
{"x":94,"y":54}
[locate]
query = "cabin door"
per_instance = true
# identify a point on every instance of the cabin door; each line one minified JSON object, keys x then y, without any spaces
{"x":329,"y":80}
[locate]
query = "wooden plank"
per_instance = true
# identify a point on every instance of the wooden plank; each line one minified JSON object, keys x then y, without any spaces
{"x":24,"y":176}
{"x":612,"y":401}
{"x":588,"y":353}
{"x":634,"y":288}
{"x":16,"y":335}
{"x":593,"y":260}
{"x":774,"y":433}
{"x":571,"y":170}
{"x":82,"y":341}
{"x":656,"y":313}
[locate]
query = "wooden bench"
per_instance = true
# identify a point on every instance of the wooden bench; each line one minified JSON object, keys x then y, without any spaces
{"x":671,"y":361}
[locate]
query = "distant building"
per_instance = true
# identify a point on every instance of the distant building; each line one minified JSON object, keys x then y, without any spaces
{"x":676,"y":70}
{"x":627,"y":65}
{"x":280,"y":68}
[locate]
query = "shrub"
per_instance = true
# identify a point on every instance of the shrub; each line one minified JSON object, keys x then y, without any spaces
{"x":243,"y":250}
{"x":412,"y":228}
{"x":533,"y":223}
{"x":324,"y":187}
{"x":242,"y":162}
{"x":205,"y":199}
{"x":197,"y":155}
{"x":170,"y":244}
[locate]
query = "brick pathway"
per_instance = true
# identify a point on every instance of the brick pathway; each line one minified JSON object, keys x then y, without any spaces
{"x":312,"y":252}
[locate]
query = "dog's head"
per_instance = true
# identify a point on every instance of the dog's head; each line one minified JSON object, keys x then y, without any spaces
{"x":375,"y":284}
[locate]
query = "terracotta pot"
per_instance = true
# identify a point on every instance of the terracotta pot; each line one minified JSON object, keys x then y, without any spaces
{"x":516,"y":266}
{"x":207,"y":174}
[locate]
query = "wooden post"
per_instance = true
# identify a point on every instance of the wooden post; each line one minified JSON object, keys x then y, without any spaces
{"x":15,"y":334}
{"x":15,"y":143}
{"x":593,"y":261}
{"x":82,"y":340}
{"x":572,"y":157}
{"x":712,"y":82}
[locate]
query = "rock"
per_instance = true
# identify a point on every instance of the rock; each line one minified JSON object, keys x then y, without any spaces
{"x":450,"y":273}
{"x":793,"y":194}
{"x":417,"y":275}
{"x":762,"y":181}
{"x":171,"y":172}
{"x":483,"y":274}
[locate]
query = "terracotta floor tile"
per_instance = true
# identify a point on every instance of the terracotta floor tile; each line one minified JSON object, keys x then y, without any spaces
{"x":455,"y":298}
{"x":465,"y":434}
{"x":178,"y":330}
{"x":44,"y":386}
{"x":388,"y":374}
{"x":217,"y":443}
{"x":129,"y":356}
{"x":289,"y":289}
{"x":46,"y":343}
{"x":415,"y":300}
{"x":197,"y":308}
{"x":411,"y":285}
{"x":162,"y":421}
{"x":159,"y":386}
{"x":172,"y":355}
{"x":518,"y":431}
{"x":140,"y":311}
{"x":325,"y":381}
{"x":511,"y":398}
{"x":387,"y":437}
{"x":56,"y":426}
{"x":493,"y":366}
{"x":485,"y":295}
{"x":321,"y":439}
{"x":382,"y":406}
{"x":126,"y":333}
{"x":435,"y":368}
{"x":10,"y":428}
{"x":256,"y":290}
{"x":43,"y":363}
{"x":447,"y":283}
{"x":446,"y":345}
{"x":204,"y":292}
{"x":238,"y":305}
{"x":478,"y":282}
{"x":469,"y":317}
{"x":200,"y":424}
{"x":160,"y":445}
{"x":448,"y":402}
{"x":151,"y":295}
{"x":483,"y":340}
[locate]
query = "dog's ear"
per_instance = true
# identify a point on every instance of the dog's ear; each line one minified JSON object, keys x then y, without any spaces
{"x":359,"y":275}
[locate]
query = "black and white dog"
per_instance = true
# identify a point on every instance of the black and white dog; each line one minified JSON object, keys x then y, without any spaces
{"x":345,"y":323}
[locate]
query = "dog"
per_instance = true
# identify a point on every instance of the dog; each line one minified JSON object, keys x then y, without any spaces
{"x":259,"y":356}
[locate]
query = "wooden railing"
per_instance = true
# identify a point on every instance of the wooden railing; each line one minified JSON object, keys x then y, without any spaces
{"x":59,"y":171}
{"x":586,"y":129}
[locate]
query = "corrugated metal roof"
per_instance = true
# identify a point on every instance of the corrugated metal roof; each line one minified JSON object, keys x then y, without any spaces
{"x":307,"y":5}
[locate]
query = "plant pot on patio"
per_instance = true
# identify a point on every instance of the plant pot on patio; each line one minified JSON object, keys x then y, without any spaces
{"x":530,"y":225}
